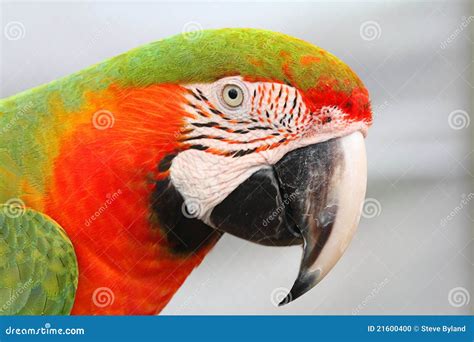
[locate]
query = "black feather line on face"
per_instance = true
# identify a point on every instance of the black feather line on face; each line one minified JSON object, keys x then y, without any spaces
{"x":241,"y":131}
{"x":184,"y":235}
{"x":263,"y":128}
{"x":215,"y":111}
{"x":294,"y":103}
{"x":195,"y":95}
{"x":202,"y":95}
{"x":203,"y":136}
{"x":207,"y":124}
{"x":241,"y":153}
{"x":165,"y":163}
{"x":198,"y":147}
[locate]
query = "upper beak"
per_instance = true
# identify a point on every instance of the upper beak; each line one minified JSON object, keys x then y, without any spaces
{"x":313,"y":196}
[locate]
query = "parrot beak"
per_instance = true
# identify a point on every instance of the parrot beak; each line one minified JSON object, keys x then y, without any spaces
{"x":330,"y":182}
{"x":313,"y":196}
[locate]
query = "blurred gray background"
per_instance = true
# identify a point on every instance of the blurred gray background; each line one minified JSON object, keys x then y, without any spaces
{"x":413,"y":252}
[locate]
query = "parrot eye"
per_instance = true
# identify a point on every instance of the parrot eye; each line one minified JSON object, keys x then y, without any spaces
{"x":232,"y":95}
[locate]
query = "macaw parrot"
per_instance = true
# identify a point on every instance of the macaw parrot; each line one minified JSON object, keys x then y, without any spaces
{"x":116,"y":181}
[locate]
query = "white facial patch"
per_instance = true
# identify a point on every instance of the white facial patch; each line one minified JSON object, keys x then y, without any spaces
{"x":227,"y":143}
{"x":204,"y":180}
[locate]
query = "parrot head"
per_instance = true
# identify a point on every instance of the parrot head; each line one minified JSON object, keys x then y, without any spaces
{"x":270,"y":146}
{"x":240,"y":131}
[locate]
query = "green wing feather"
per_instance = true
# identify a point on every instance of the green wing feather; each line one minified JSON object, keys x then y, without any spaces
{"x":38,"y":266}
{"x":9,"y":176}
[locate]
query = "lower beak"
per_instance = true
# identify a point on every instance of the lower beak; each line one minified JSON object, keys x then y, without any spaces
{"x":313,"y":196}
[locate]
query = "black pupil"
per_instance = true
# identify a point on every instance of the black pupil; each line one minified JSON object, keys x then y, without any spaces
{"x":233,"y":93}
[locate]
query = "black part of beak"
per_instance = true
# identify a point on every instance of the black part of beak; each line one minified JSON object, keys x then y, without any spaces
{"x":257,"y":211}
{"x":287,"y":204}
{"x":306,"y":175}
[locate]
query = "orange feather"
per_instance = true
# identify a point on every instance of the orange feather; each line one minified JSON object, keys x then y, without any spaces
{"x":100,"y":194}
